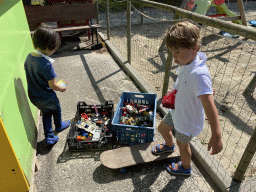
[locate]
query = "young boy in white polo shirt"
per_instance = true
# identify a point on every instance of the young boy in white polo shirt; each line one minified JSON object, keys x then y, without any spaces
{"x":194,"y":97}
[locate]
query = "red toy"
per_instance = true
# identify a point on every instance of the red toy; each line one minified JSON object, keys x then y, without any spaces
{"x":85,"y":116}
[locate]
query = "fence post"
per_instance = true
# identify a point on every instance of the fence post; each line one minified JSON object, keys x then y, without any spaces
{"x":242,"y":14}
{"x":246,"y":158}
{"x":97,"y":7}
{"x":168,"y":65}
{"x":107,"y":17}
{"x":129,"y":31}
{"x":141,"y":16}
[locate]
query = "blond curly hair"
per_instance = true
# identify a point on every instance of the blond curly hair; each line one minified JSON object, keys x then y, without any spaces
{"x":183,"y":35}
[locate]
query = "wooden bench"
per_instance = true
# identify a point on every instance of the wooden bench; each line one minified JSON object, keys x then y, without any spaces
{"x":67,"y":12}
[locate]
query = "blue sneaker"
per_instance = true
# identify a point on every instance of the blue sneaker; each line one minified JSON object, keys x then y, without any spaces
{"x":51,"y":140}
{"x":179,"y":171}
{"x":65,"y":125}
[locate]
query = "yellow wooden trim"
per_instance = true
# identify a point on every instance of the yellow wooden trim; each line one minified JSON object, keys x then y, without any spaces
{"x":12,"y":177}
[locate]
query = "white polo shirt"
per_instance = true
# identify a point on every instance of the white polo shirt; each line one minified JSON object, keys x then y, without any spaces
{"x":193,"y":80}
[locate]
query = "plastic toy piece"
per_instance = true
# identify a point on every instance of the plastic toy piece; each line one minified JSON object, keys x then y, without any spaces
{"x":83,"y":138}
{"x":104,"y":113}
{"x":78,"y":138}
{"x":62,"y":83}
{"x":219,"y":2}
{"x":84,"y":116}
{"x":131,"y":109}
{"x":96,"y":135}
{"x":96,"y":110}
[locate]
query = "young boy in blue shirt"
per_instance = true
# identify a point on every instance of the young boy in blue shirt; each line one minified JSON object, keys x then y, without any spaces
{"x":194,"y":97}
{"x":41,"y":82}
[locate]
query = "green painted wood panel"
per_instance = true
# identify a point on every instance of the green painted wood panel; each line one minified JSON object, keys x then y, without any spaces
{"x":18,"y":114}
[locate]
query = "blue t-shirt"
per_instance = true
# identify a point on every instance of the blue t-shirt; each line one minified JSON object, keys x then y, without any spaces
{"x":38,"y":72}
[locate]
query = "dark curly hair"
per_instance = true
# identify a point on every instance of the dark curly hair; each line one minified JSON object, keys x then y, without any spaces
{"x":44,"y":38}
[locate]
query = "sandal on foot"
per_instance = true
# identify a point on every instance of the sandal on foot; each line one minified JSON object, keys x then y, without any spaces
{"x":175,"y":160}
{"x":51,"y":140}
{"x":166,"y":149}
{"x":65,"y":125}
{"x":179,"y":171}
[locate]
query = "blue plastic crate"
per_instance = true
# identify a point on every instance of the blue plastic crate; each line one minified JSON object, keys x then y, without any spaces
{"x":128,"y":134}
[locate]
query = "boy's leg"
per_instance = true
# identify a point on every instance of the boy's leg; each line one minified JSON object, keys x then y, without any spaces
{"x":183,"y":167}
{"x":45,"y":107}
{"x":47,"y":124}
{"x":185,"y":154}
{"x":57,"y":118}
{"x":59,"y":125}
{"x":166,"y":131}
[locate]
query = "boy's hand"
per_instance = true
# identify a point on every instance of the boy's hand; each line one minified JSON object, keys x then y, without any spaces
{"x":62,"y":89}
{"x":54,"y":86}
{"x":215,"y":144}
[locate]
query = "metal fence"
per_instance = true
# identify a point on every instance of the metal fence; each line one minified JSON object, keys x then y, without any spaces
{"x":231,"y":63}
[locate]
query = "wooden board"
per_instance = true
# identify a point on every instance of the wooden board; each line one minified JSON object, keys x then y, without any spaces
{"x":12,"y":177}
{"x":132,"y":155}
{"x":53,"y":13}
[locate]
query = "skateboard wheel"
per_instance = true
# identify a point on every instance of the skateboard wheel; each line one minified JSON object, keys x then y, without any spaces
{"x":123,"y":171}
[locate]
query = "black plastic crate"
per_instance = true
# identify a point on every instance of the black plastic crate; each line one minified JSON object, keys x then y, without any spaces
{"x":105,"y":139}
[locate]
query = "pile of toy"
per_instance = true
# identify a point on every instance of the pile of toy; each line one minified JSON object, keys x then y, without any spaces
{"x":137,"y":115}
{"x":92,"y":126}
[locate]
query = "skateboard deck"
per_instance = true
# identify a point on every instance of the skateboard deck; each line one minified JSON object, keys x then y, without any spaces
{"x":132,"y":155}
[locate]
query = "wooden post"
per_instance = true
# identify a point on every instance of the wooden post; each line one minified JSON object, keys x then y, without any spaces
{"x":246,"y":158}
{"x":168,"y":66}
{"x":251,"y":86}
{"x":97,"y":9}
{"x":129,"y":31}
{"x":141,"y":16}
{"x":107,"y":15}
{"x":241,"y":9}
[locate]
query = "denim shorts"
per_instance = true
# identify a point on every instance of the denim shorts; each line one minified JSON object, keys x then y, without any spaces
{"x":179,"y":136}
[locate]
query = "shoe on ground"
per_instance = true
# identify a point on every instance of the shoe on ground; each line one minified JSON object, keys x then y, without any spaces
{"x":157,"y":151}
{"x":65,"y":125}
{"x":51,"y":140}
{"x":179,"y":171}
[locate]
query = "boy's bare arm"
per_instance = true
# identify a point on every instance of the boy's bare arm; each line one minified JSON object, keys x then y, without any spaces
{"x":53,"y":85}
{"x":211,"y":112}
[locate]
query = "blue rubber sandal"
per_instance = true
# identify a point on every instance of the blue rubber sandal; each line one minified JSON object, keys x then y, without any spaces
{"x":226,"y":34}
{"x":253,"y":23}
{"x":179,"y":171}
{"x":51,"y":140}
{"x":166,"y":149}
{"x":65,"y":125}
